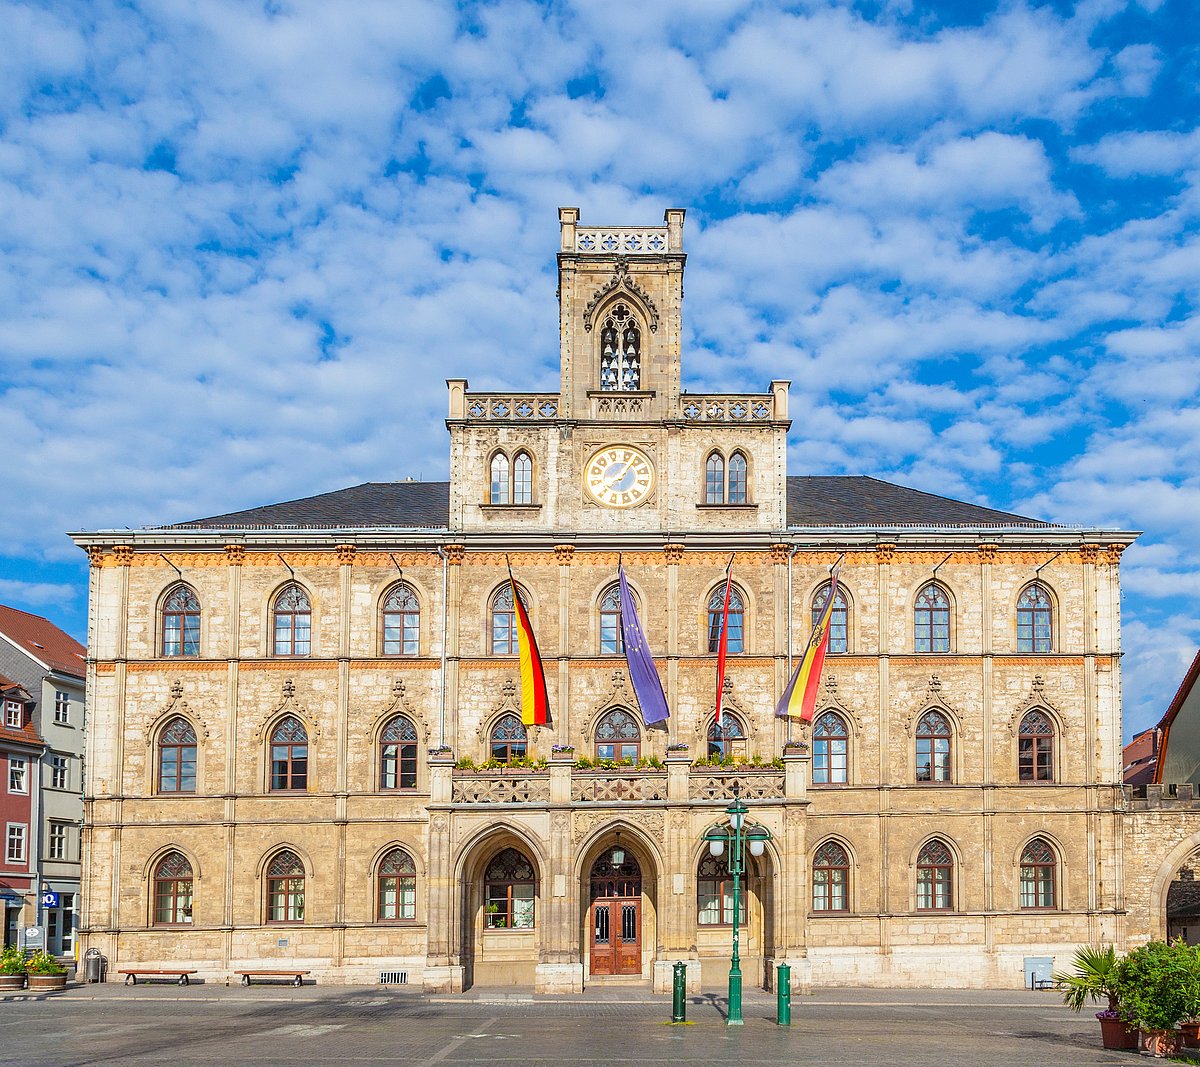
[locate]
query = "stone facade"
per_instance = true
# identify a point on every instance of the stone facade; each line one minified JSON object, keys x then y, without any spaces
{"x":566,"y":818}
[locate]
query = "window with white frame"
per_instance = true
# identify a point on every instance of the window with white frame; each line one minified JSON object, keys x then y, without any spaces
{"x":62,"y":706}
{"x":15,"y":850}
{"x":59,"y":843}
{"x":58,"y":772}
{"x":18,"y":771}
{"x":13,"y":714}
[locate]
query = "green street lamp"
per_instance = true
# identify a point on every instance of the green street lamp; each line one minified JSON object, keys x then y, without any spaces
{"x":736,"y":837}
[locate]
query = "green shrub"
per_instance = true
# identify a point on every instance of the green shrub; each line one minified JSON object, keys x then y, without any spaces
{"x":1158,"y":985}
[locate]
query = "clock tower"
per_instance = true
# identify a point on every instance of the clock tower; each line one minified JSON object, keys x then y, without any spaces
{"x":620,"y":447}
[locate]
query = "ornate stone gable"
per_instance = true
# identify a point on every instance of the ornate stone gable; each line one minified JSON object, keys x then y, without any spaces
{"x":290,"y":705}
{"x":176,"y":705}
{"x":621,"y":282}
{"x":933,"y":701}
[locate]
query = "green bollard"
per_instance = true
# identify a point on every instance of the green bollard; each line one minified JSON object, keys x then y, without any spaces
{"x":783,"y":990}
{"x":679,"y":994}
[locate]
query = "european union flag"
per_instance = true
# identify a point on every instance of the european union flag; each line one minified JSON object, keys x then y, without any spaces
{"x":647,"y":686}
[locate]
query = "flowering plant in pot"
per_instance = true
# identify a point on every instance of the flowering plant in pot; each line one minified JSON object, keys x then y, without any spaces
{"x":1095,"y":978}
{"x":1157,"y":986}
{"x":12,"y":968}
{"x":45,"y":972}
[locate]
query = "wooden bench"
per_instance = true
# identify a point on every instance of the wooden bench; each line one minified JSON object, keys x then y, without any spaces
{"x":134,"y":973}
{"x":296,"y":976}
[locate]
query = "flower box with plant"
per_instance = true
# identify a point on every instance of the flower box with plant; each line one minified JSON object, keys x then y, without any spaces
{"x":1094,"y":978}
{"x":12,"y":968}
{"x":45,"y":972}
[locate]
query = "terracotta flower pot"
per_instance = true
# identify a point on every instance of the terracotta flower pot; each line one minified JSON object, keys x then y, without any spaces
{"x":47,"y":982}
{"x":1159,"y":1042}
{"x":1115,"y":1033}
{"x":1190,"y":1032}
{"x":9,"y":982}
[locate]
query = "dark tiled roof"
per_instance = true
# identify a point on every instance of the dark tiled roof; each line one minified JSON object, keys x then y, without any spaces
{"x":45,"y":642}
{"x":843,"y":500}
{"x":812,"y":501}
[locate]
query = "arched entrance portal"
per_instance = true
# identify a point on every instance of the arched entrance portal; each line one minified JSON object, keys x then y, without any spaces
{"x":616,"y":914}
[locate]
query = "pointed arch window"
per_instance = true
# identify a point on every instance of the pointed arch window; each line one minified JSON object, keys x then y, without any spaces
{"x":498,"y":491}
{"x":618,"y":736}
{"x":504,"y":621}
{"x":620,"y":350}
{"x":289,"y":755}
{"x":831,"y":878}
{"x":398,"y":754}
{"x":397,"y":886}
{"x":1035,"y":748}
{"x":285,"y":888}
{"x":401,"y":622}
{"x":830,"y":750}
{"x":932,"y":620}
{"x":1038,"y":882}
{"x":1034,"y":620}
{"x":736,"y":618}
{"x":508,"y":740}
{"x":173,"y":890}
{"x":935,"y":877}
{"x":839,"y":619}
{"x":727,"y":740}
{"x":714,"y":893}
{"x":737,"y":479}
{"x":934,"y":737}
{"x":611,"y":641}
{"x":181,"y":623}
{"x":509,"y":887}
{"x":714,"y":479}
{"x":292,"y":622}
{"x":177,"y":757}
{"x":522,"y":479}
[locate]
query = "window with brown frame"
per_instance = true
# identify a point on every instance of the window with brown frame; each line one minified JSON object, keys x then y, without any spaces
{"x":397,"y":886}
{"x":714,"y":894}
{"x":935,"y":877}
{"x":401,"y":622}
{"x":934,"y":738}
{"x":509,"y":890}
{"x":285,"y":888}
{"x":727,"y":740}
{"x":289,"y":755}
{"x":831,"y":878}
{"x":830,"y":750}
{"x":508,"y":740}
{"x":398,"y":754}
{"x":618,"y":736}
{"x":1035,"y":748}
{"x":1038,"y":882}
{"x":177,"y":757}
{"x":292,"y":624}
{"x":173,"y":890}
{"x":181,"y":623}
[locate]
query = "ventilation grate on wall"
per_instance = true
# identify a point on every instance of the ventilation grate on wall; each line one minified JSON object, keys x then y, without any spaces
{"x":393,"y":977}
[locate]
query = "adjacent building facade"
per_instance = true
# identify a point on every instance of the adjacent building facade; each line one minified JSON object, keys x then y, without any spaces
{"x":305,"y":742}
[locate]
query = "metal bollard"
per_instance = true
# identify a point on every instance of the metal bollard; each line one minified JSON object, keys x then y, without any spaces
{"x":679,"y":994}
{"x":783,"y":990}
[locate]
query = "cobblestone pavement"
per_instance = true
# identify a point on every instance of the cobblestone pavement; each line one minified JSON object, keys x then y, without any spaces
{"x":202,"y":1025}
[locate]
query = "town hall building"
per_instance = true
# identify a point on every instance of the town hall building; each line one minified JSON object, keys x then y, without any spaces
{"x":306,"y":747}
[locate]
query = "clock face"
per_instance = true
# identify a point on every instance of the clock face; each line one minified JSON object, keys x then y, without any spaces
{"x":619,"y":476}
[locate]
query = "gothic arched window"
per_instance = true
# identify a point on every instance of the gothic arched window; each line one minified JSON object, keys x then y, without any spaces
{"x":509,"y":892}
{"x":498,"y":492}
{"x":401,"y":622}
{"x":931,"y":620}
{"x":173,"y":890}
{"x":289,"y":755}
{"x":714,"y":479}
{"x":397,"y":886}
{"x":522,"y":479}
{"x":285,"y":888}
{"x":504,"y":621}
{"x":736,"y":613}
{"x":1034,"y":620}
{"x":935,"y":877}
{"x":830,"y":750}
{"x":831,"y":878}
{"x":618,"y":736}
{"x":177,"y":757}
{"x":398,"y":754}
{"x":1035,"y":748}
{"x":292,"y":622}
{"x":508,"y":739}
{"x":714,"y":893}
{"x":1038,"y":866}
{"x":934,"y":737}
{"x":728,"y":739}
{"x":839,"y":619}
{"x":737,"y":479}
{"x":181,"y":623}
{"x":620,"y":350}
{"x":611,"y":641}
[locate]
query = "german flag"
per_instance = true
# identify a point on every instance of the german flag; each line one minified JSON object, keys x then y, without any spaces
{"x":535,"y":702}
{"x":800,"y":697}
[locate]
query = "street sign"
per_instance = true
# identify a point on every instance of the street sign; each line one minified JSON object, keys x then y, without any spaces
{"x":49,"y":899}
{"x":33,"y":936}
{"x":12,"y":898}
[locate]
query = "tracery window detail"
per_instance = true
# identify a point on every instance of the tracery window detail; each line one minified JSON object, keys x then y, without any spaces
{"x":618,"y":736}
{"x":181,"y":623}
{"x":728,"y":739}
{"x":620,"y":350}
{"x":522,"y":479}
{"x":173,"y":890}
{"x":293,"y":622}
{"x":289,"y":755}
{"x":931,"y":620}
{"x":401,"y":622}
{"x":285,"y":888}
{"x":1034,"y":620}
{"x":737,"y":479}
{"x":934,"y":737}
{"x":177,"y":757}
{"x":1035,"y":748}
{"x":714,"y":893}
{"x":498,"y":492}
{"x":831,"y":878}
{"x":935,"y":877}
{"x":839,"y":619}
{"x":509,"y":892}
{"x":1038,"y":882}
{"x":504,"y":621}
{"x":736,"y":614}
{"x":714,"y":479}
{"x":830,"y":750}
{"x":397,"y":886}
{"x":398,"y":754}
{"x":611,"y":641}
{"x":508,"y":739}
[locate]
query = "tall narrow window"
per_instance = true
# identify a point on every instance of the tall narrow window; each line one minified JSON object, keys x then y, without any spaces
{"x":830,"y":750}
{"x":1037,"y":875}
{"x":181,"y":623}
{"x":736,"y":613}
{"x":401,"y":622}
{"x":15,"y":851}
{"x":18,"y":774}
{"x":714,"y":479}
{"x":289,"y":755}
{"x":498,"y":493}
{"x":932,"y":620}
{"x":933,"y":748}
{"x":728,"y":739}
{"x":508,"y":740}
{"x":737,"y":479}
{"x":293,"y":622}
{"x":59,"y":771}
{"x":59,"y":840}
{"x":839,"y":619}
{"x":611,"y":643}
{"x":509,"y":892}
{"x":831,"y":878}
{"x":504,"y":622}
{"x":522,"y":479}
{"x":398,"y":754}
{"x":714,"y":894}
{"x":177,"y":757}
{"x":620,"y":351}
{"x":935,"y":877}
{"x":1034,"y":620}
{"x":618,"y":736}
{"x":14,"y":714}
{"x":397,"y":886}
{"x":285,"y":888}
{"x":62,"y":706}
{"x":1035,"y":749}
{"x":173,"y":890}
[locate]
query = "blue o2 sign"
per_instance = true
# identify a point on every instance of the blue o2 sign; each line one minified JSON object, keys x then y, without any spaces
{"x":49,"y":900}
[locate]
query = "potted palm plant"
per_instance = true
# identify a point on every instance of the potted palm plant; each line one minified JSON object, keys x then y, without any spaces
{"x":1096,"y":977}
{"x":45,"y":972}
{"x":12,"y":969}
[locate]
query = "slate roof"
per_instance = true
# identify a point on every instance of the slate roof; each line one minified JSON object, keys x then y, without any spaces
{"x":43,"y":641}
{"x":812,"y":501}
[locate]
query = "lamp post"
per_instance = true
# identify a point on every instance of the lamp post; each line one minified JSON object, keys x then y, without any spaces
{"x":736,"y":836}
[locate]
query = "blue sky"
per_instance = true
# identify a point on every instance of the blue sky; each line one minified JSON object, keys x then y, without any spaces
{"x":244,"y":243}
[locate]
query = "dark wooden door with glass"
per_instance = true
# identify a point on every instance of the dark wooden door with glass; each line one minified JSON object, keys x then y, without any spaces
{"x":616,"y":914}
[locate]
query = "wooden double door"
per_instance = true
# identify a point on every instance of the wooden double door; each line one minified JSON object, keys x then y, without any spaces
{"x":615,"y":916}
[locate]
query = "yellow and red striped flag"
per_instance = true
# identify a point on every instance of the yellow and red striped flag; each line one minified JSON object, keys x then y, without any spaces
{"x":800,"y":697}
{"x":535,"y":702}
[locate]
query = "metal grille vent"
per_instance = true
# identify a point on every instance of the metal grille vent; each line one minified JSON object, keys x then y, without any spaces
{"x":393,"y":977}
